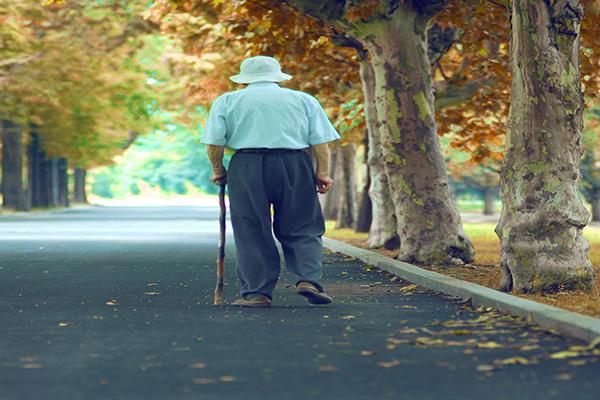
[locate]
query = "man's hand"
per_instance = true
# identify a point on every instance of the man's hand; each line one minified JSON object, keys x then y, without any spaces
{"x":324,"y":183}
{"x":219,"y":178}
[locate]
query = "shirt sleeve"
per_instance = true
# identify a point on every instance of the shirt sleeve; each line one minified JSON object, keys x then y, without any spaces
{"x":215,"y":130}
{"x":320,"y":129}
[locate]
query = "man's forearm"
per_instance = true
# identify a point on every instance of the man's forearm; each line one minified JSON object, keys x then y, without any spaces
{"x":322,"y":154}
{"x":215,"y":156}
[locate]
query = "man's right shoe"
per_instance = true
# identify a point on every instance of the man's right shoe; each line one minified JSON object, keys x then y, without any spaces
{"x":257,"y":300}
{"x":312,"y":293}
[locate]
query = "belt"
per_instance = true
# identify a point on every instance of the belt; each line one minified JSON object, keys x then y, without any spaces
{"x":265,"y":150}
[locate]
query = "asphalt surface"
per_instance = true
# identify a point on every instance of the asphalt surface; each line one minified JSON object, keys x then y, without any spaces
{"x":116,"y":303}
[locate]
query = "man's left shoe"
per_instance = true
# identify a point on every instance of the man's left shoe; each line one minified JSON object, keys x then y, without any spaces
{"x":312,"y":293}
{"x":258,"y":300}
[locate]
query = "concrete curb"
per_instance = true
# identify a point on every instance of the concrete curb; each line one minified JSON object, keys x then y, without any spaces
{"x":566,"y":322}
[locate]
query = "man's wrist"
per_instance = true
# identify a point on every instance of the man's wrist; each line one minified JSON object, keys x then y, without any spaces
{"x":219,"y":170}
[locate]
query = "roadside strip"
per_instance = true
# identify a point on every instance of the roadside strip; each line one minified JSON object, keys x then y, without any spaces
{"x":566,"y":322}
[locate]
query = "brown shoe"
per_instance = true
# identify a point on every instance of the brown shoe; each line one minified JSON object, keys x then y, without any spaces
{"x":312,"y":294}
{"x":258,"y":300}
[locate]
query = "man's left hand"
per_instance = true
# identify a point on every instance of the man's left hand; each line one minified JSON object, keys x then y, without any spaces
{"x":219,"y":178}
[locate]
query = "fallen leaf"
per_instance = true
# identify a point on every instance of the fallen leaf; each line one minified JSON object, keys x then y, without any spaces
{"x":577,"y":362}
{"x":197,"y":365}
{"x":425,"y":341}
{"x":407,"y":330}
{"x":407,"y":307}
{"x":111,"y":302}
{"x":32,"y":366}
{"x":151,"y":293}
{"x":594,"y":343}
{"x":328,"y":368}
{"x":563,"y":376}
{"x":513,"y":361}
{"x":529,"y":347}
{"x":348,"y":317}
{"x":63,"y":324}
{"x":485,"y":367}
{"x":564,"y":354}
{"x":203,"y":381}
{"x":227,"y":378}
{"x":153,"y":284}
{"x":408,"y":288}
{"x":389,"y":364}
{"x":488,"y":345}
{"x":367,"y":352}
{"x":459,"y":332}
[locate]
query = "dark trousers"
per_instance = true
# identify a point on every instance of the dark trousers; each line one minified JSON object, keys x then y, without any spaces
{"x":287,"y":182}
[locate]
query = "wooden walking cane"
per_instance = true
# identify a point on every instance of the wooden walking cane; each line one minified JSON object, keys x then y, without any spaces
{"x":221,"y":256}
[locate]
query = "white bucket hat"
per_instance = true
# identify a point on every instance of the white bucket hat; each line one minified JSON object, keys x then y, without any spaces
{"x":260,"y":68}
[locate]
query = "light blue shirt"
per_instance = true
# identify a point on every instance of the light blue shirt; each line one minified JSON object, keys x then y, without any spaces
{"x":263,"y":114}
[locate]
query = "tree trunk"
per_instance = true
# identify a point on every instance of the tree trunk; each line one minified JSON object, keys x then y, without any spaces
{"x":347,"y":181}
{"x":384,"y":228}
{"x":332,"y":198}
{"x":35,"y":157}
{"x":79,"y":194}
{"x":50,"y":183}
{"x":13,"y":195}
{"x":63,"y":182}
{"x":429,"y":224}
{"x":365,"y":208}
{"x":489,"y":200}
{"x":542,"y":218}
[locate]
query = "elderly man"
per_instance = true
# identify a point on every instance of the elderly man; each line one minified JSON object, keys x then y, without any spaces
{"x":272,"y":130}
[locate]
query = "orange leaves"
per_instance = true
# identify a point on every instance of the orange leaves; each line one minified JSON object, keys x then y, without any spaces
{"x":362,"y":10}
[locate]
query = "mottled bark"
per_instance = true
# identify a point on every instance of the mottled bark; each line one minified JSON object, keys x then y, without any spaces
{"x":13,"y":195}
{"x":383,"y":224}
{"x":542,"y":218}
{"x":429,"y":224}
{"x":346,"y":179}
{"x":79,"y":193}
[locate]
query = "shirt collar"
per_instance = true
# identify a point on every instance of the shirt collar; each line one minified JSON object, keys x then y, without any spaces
{"x":262,"y":84}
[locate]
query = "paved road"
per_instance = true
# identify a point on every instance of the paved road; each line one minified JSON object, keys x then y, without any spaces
{"x":116,"y":303}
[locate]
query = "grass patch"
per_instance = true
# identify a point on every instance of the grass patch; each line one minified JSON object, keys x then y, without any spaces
{"x":485,"y":270}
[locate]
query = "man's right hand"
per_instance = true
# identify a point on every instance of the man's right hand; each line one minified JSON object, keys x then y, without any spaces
{"x":324,"y":183}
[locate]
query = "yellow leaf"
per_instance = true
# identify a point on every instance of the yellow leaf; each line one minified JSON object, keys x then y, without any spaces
{"x":227,"y":378}
{"x":348,"y":317}
{"x":513,"y":361}
{"x":367,"y":352}
{"x":489,"y":345}
{"x":408,"y":288}
{"x":197,"y":365}
{"x":564,"y":354}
